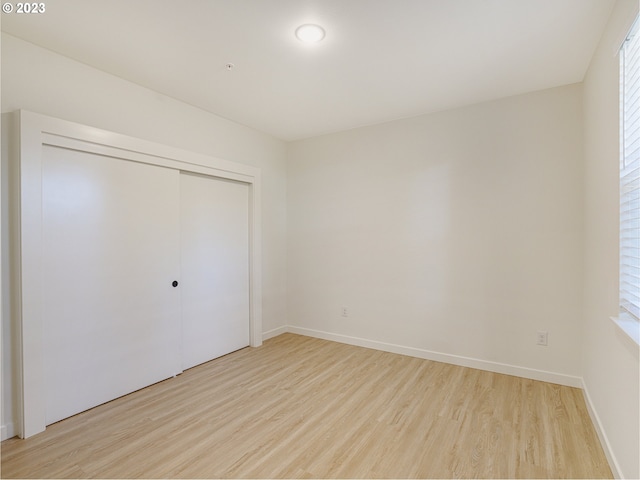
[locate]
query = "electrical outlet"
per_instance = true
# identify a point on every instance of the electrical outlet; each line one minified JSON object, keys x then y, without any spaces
{"x":542,"y":338}
{"x":345,"y":311}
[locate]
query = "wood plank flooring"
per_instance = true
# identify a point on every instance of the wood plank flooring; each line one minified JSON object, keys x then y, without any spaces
{"x":300,"y":407}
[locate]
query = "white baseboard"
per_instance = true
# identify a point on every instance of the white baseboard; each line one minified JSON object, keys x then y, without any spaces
{"x":7,"y":431}
{"x":495,"y":367}
{"x":604,"y":441}
{"x":275,"y":332}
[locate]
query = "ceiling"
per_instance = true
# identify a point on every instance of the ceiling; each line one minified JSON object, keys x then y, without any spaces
{"x":381,"y":59}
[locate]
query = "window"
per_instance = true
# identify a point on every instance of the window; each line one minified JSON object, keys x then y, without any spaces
{"x":630,"y":175}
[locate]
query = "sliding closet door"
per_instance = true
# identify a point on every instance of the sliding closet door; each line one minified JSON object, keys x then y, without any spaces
{"x":214,"y":215}
{"x":111,"y":317}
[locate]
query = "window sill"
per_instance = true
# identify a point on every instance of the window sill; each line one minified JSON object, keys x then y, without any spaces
{"x":629,"y":325}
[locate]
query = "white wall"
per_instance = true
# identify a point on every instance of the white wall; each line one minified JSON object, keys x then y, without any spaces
{"x":610,"y":358}
{"x":38,"y":80}
{"x":458,"y":232}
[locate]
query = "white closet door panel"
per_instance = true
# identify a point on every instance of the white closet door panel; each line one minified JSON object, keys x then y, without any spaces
{"x":214,"y":218}
{"x":111,"y":320}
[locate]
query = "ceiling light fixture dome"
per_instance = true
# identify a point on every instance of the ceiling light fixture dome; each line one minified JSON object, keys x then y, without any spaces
{"x":310,"y":33}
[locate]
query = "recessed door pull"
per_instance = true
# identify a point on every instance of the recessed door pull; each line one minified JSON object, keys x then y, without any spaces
{"x":174,"y":283}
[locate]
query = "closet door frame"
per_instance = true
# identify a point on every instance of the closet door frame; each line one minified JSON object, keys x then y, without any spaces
{"x":30,"y":132}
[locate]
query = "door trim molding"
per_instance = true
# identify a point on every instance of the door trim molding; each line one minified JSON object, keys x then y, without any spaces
{"x":32,"y":132}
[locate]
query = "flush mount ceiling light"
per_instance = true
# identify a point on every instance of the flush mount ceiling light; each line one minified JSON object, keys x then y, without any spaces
{"x":310,"y":33}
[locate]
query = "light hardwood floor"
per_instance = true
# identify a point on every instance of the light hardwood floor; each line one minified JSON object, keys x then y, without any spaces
{"x":302,"y":407}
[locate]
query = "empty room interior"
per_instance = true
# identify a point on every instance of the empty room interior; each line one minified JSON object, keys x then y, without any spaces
{"x":320,"y":239}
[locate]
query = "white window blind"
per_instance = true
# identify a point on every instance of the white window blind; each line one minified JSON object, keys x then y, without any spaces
{"x":630,"y":174}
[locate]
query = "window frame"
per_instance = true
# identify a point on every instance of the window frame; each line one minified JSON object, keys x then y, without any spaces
{"x":629,"y":233}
